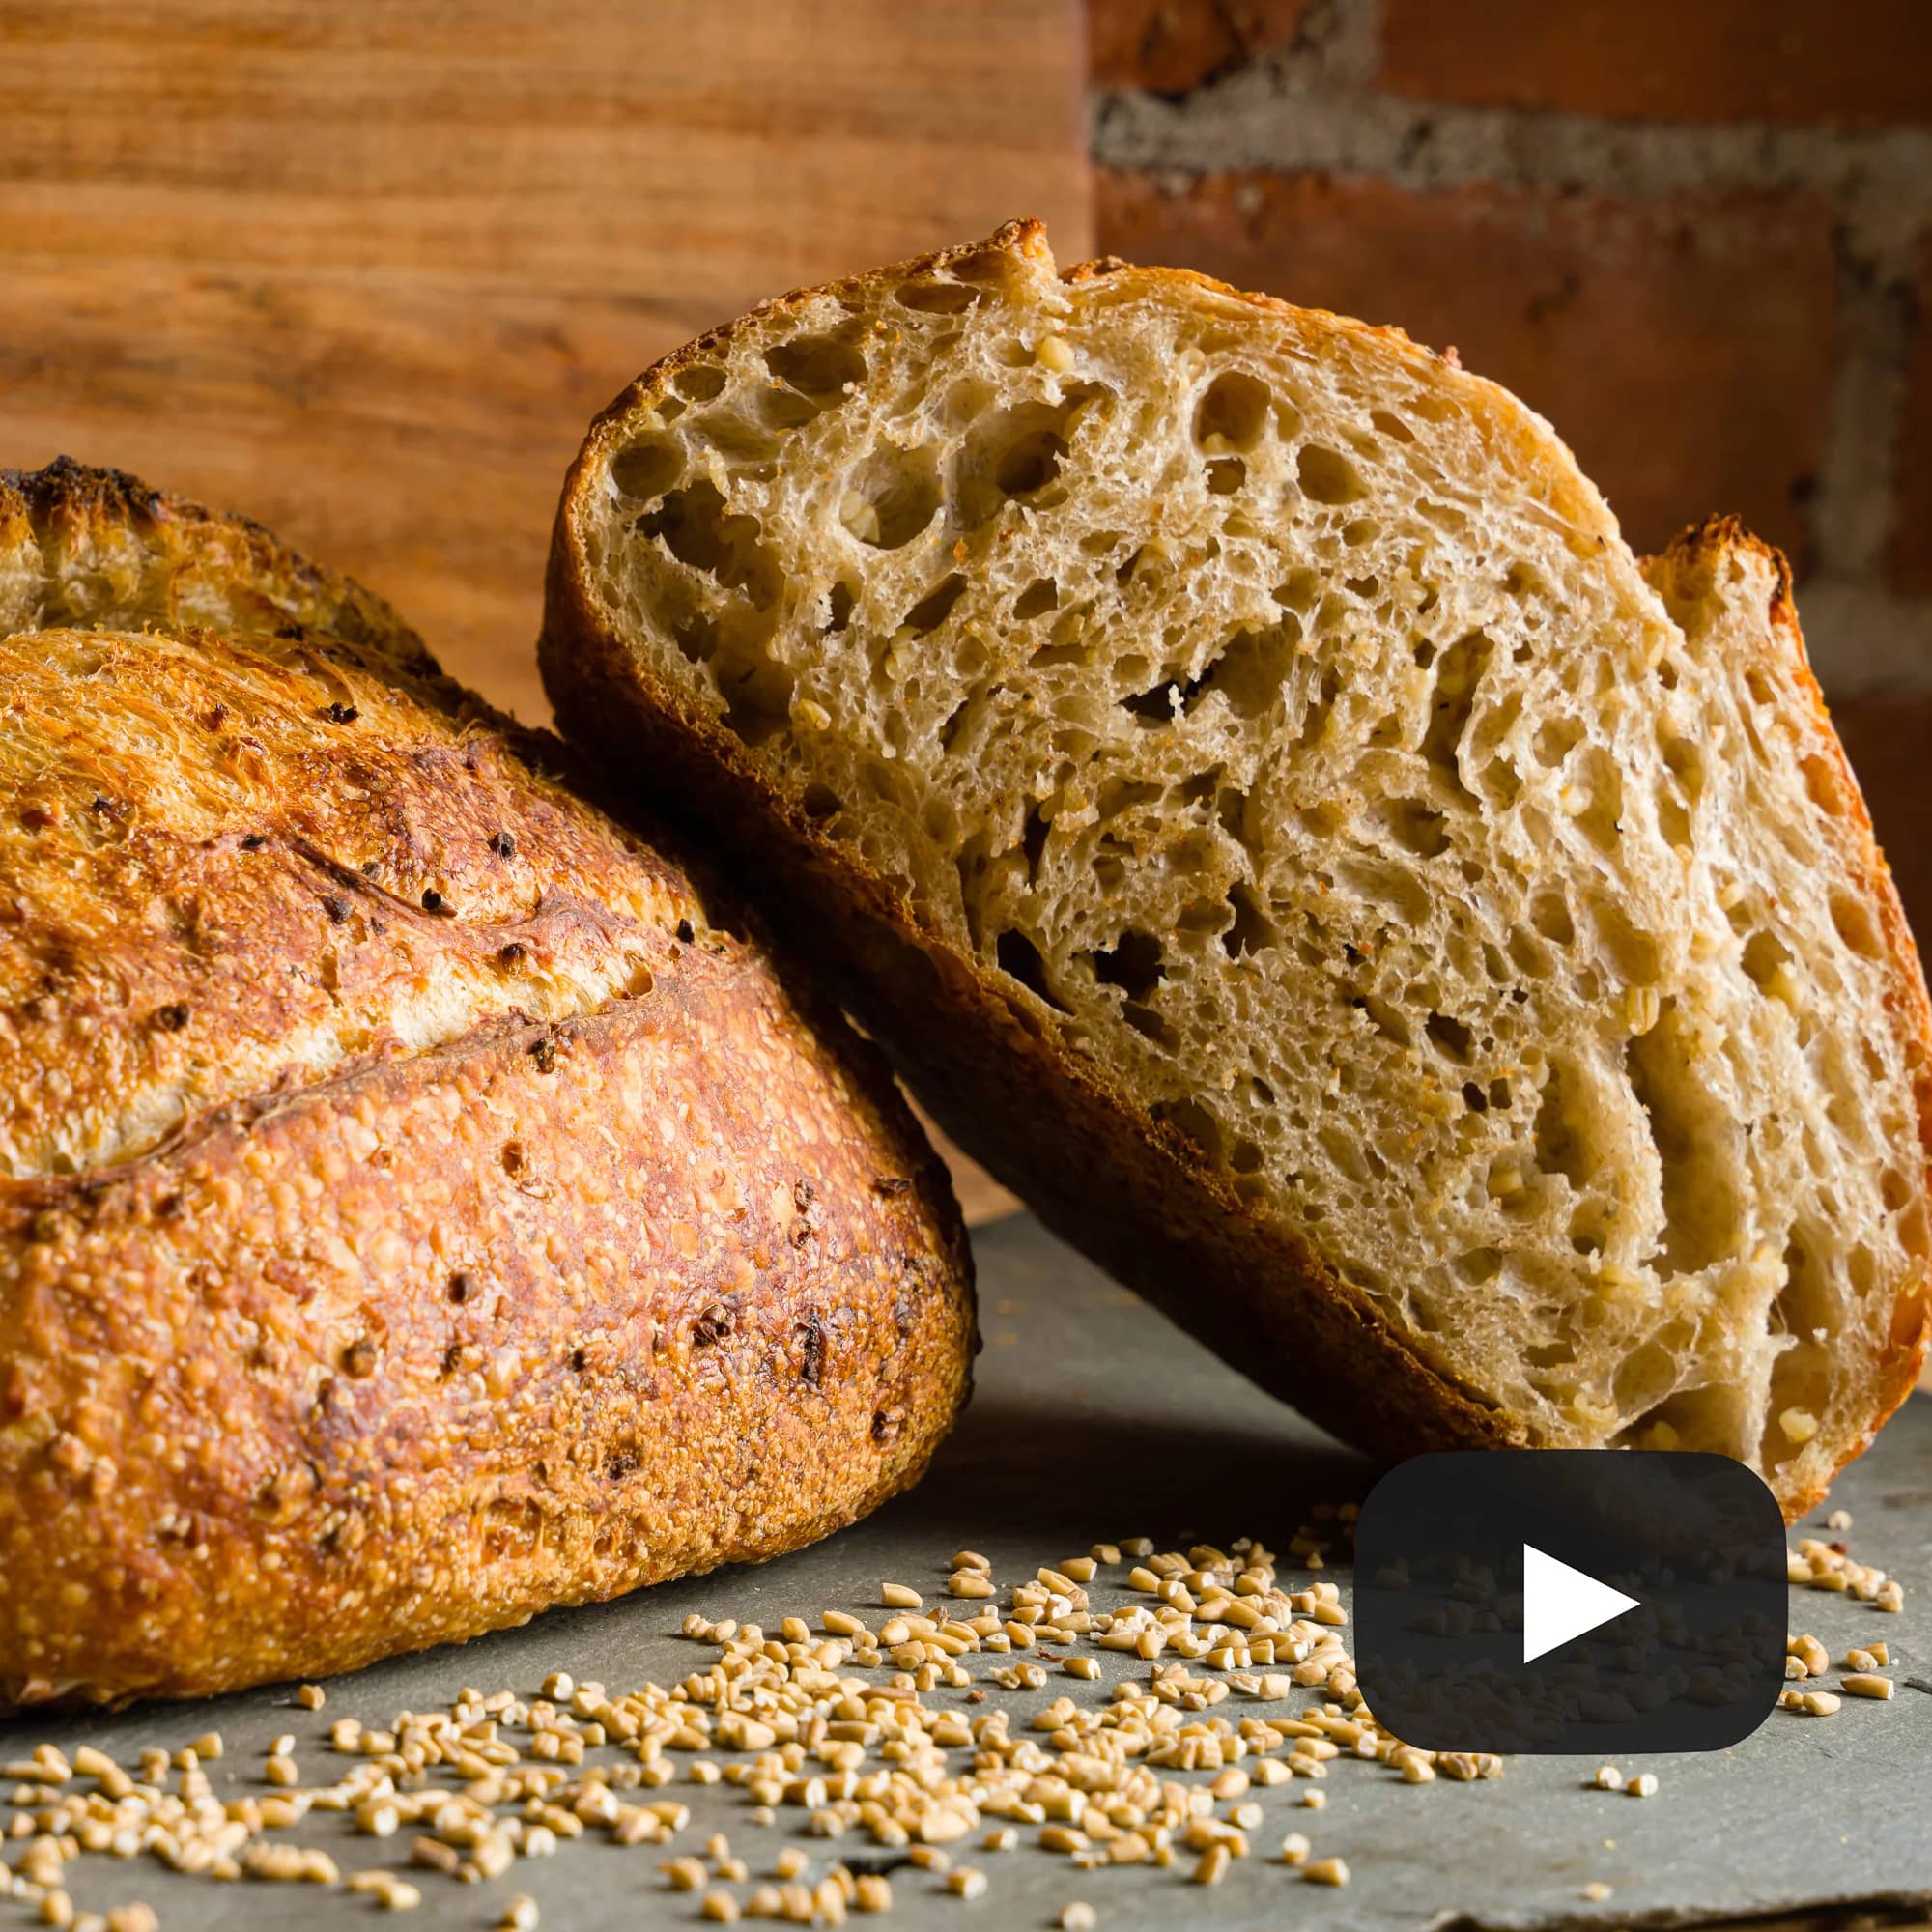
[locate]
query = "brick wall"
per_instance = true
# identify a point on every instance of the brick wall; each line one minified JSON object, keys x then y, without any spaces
{"x":1698,"y":238}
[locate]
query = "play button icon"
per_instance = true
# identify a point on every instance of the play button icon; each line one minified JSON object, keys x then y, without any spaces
{"x":1560,"y":1602}
{"x":1571,"y":1601}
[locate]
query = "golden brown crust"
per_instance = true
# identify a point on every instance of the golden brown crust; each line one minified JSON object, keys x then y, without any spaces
{"x":414,"y":1204}
{"x":80,"y":546}
{"x":1710,"y":562}
{"x":232,"y":865}
{"x":528,"y":1319}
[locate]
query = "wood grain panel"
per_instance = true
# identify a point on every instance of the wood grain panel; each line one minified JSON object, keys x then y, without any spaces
{"x":366,"y":271}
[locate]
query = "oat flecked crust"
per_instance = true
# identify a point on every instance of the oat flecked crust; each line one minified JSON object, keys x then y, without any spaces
{"x":419,"y":1205}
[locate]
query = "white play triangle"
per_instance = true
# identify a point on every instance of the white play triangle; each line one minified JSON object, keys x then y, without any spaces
{"x":1560,"y":1603}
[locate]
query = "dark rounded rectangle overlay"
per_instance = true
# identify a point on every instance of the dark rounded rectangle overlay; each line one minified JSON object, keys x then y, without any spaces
{"x":1697,"y":1539}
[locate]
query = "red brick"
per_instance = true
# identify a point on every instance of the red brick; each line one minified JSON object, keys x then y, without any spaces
{"x":1169,"y":45}
{"x":1865,"y":64}
{"x":1683,"y":348}
{"x":1912,"y":545}
{"x":1885,"y":739}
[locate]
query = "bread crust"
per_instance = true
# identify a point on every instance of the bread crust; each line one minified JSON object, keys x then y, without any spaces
{"x":1097,"y":1167}
{"x":1717,"y":561}
{"x":78,"y":542}
{"x":445,"y":1212}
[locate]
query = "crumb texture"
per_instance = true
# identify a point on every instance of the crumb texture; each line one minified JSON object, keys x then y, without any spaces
{"x":1271,"y":712}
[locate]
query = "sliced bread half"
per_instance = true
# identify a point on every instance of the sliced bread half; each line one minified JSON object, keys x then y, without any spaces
{"x":1231,"y":757}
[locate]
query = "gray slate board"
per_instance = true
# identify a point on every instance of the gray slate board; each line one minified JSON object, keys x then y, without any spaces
{"x":1094,"y":1419}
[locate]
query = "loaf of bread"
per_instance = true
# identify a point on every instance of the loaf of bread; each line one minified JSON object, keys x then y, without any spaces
{"x":416,"y":1207}
{"x":1230,"y":756}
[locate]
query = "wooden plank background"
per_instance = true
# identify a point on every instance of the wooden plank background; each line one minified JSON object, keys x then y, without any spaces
{"x":365,"y":269}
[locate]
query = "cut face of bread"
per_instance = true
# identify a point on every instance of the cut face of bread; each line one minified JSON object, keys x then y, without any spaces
{"x":1442,"y":958}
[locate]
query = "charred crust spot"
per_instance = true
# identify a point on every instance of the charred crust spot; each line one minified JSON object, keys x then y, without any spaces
{"x":452,"y":1358}
{"x":253,"y":841}
{"x":503,"y":844}
{"x":168,"y":1208}
{"x":543,"y":1053}
{"x":272,"y":1497}
{"x":515,"y":1160}
{"x":460,"y":1286}
{"x":684,"y":932}
{"x":36,"y":817}
{"x":887,"y":1424}
{"x":580,"y":1361}
{"x":800,"y":1232}
{"x":802,"y":1194}
{"x":713,"y":1326}
{"x":172,"y":1017}
{"x":341,"y":713}
{"x":359,"y":1359}
{"x":324,"y":1396}
{"x":620,"y":1466}
{"x":216,"y":719}
{"x":891,"y":1185}
{"x":812,"y":1349}
{"x":337,"y":909}
{"x":345,"y":1531}
{"x":433,"y":901}
{"x":512,"y":954}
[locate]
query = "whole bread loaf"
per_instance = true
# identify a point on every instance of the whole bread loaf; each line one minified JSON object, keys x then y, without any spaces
{"x":1231,"y":757}
{"x":418,"y":1208}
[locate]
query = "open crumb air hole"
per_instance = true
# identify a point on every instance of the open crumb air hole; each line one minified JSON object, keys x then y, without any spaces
{"x":1015,"y":453}
{"x":1133,"y":965}
{"x":694,"y":525}
{"x":645,"y":470}
{"x":894,"y":496}
{"x":1019,"y":958}
{"x":931,"y":609}
{"x":818,"y":366}
{"x":1327,"y":476}
{"x":938,"y":297}
{"x":1232,"y":413}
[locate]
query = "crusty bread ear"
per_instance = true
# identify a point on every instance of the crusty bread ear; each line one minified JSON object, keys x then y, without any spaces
{"x":90,"y":548}
{"x":1239,"y":768}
